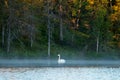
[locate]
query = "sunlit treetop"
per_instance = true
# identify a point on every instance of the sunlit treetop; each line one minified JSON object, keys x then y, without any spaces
{"x":104,"y":1}
{"x":115,"y":16}
{"x":90,"y":2}
{"x":117,"y":0}
{"x":115,"y":8}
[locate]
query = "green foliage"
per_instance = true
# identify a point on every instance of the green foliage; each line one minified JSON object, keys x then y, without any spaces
{"x":93,"y":55}
{"x":83,"y":23}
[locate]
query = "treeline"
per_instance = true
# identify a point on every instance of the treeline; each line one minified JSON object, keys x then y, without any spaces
{"x":88,"y":25}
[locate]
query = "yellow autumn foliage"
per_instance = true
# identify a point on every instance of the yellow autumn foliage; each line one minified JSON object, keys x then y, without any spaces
{"x":74,"y":1}
{"x":115,"y":7}
{"x":6,"y":3}
{"x":88,"y":7}
{"x":113,"y":17}
{"x":117,"y":0}
{"x":104,"y":1}
{"x":91,"y":2}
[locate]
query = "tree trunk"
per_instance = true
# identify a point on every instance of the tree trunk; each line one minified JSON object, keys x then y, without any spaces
{"x":48,"y":26}
{"x":31,"y":37}
{"x":9,"y":24}
{"x":72,"y":38}
{"x":8,"y":39}
{"x":61,"y":29}
{"x":111,"y":6}
{"x":3,"y":36}
{"x":97,"y":45}
{"x":61,"y":21}
{"x":31,"y":23}
{"x":2,"y":20}
{"x":48,"y":38}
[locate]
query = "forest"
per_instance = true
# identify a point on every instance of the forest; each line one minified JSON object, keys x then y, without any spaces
{"x":76,"y":29}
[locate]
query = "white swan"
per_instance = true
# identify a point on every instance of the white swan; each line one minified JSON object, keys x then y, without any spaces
{"x":60,"y":61}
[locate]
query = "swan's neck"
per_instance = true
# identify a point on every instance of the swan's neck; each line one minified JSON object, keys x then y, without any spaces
{"x":59,"y":57}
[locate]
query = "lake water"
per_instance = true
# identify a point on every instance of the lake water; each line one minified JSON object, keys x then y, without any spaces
{"x":60,"y":73}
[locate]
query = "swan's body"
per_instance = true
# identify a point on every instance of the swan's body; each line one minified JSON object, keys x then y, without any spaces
{"x":60,"y":61}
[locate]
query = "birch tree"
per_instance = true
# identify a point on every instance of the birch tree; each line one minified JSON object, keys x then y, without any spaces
{"x":99,"y":23}
{"x":48,"y":26}
{"x":9,"y":24}
{"x":61,"y":20}
{"x":31,"y":25}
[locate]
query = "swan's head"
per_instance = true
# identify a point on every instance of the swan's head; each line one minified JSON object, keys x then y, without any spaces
{"x":58,"y":54}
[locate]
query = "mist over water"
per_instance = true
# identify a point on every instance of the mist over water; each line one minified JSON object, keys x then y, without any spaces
{"x":54,"y":63}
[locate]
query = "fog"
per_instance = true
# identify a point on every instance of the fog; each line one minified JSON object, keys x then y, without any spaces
{"x":54,"y":63}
